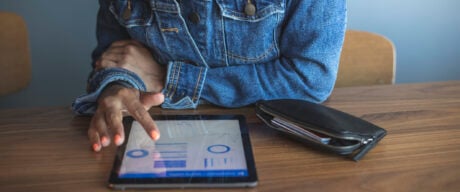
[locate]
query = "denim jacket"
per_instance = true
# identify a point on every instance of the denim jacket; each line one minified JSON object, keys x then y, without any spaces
{"x":216,"y":52}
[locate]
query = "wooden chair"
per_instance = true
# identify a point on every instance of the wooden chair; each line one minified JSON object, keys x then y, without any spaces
{"x":15,"y":67}
{"x":367,"y":59}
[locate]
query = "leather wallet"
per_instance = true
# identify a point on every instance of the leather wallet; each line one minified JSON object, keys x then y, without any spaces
{"x":320,"y":126}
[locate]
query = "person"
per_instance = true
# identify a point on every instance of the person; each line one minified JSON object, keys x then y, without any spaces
{"x":180,"y":53}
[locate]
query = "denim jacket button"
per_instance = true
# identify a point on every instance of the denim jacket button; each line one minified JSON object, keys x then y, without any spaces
{"x":194,"y":17}
{"x":250,"y":9}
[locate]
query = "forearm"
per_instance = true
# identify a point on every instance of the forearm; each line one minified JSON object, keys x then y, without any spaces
{"x":241,"y":85}
{"x":305,"y":69}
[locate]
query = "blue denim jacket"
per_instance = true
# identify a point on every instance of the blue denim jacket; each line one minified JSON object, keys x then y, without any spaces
{"x":215,"y":52}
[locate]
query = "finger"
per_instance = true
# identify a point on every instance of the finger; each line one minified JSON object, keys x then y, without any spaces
{"x":97,"y":64}
{"x":110,"y":58}
{"x":94,"y":133}
{"x":98,"y":123}
{"x":114,"y":53}
{"x":114,"y":118}
{"x":94,"y":139}
{"x":134,"y":42}
{"x":122,"y":43}
{"x":127,"y":48}
{"x":119,"y":57}
{"x":137,"y":110}
{"x":113,"y":57}
{"x":149,"y":100}
{"x":103,"y":64}
{"x":116,"y":49}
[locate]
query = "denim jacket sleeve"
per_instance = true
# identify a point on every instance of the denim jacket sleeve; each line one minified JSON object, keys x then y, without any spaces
{"x":310,"y":44}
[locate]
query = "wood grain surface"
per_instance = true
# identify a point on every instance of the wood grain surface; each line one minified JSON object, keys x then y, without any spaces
{"x":46,"y":149}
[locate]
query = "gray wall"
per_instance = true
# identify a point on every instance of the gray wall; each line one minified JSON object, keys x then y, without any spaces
{"x":62,"y":36}
{"x":426,"y":34}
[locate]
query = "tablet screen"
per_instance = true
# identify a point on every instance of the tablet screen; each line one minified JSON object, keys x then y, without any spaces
{"x":200,"y":148}
{"x":186,"y":148}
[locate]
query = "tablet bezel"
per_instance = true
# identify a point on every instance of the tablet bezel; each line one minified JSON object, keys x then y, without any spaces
{"x":186,"y":182}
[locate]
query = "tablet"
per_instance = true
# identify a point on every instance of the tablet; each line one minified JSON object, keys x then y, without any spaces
{"x":193,"y":151}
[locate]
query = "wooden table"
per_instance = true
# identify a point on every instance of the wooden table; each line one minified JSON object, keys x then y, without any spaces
{"x":46,"y":149}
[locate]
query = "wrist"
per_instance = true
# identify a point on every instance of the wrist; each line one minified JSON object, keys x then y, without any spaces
{"x":156,"y":81}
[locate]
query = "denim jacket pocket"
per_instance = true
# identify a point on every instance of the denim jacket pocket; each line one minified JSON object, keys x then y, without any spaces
{"x":132,"y":13}
{"x":251,"y":38}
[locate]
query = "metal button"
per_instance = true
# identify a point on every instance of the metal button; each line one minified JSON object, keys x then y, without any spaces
{"x":250,"y":9}
{"x":126,"y":14}
{"x":194,"y":17}
{"x":127,"y":11}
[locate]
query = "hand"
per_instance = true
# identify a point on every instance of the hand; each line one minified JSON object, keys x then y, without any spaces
{"x":135,"y":57}
{"x":107,"y":120}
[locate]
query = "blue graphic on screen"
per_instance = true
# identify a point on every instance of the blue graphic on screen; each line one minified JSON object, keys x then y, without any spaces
{"x":218,"y":149}
{"x":186,"y":148}
{"x":137,"y":153}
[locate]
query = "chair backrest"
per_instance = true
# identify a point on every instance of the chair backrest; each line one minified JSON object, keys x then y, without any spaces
{"x":15,"y":67}
{"x":367,"y":59}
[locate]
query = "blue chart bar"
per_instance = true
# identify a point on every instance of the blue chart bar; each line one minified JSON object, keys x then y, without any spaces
{"x":215,"y":173}
{"x":218,"y":162}
{"x":171,"y":150}
{"x":208,"y":162}
{"x":170,"y":164}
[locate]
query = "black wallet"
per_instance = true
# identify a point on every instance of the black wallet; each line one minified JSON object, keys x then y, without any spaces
{"x":320,"y":126}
